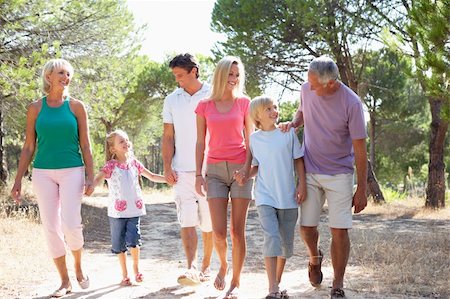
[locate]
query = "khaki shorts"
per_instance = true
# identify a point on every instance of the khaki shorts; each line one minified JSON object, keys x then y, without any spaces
{"x":192,"y":209}
{"x":221,"y":184}
{"x":337,"y":190}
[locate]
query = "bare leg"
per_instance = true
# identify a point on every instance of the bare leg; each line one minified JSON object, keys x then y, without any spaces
{"x":190,"y":240}
{"x":77,"y":261}
{"x":135,"y":253}
{"x":207,"y":250}
{"x":218,"y":209}
{"x":340,"y":250}
{"x":310,"y":236}
{"x":271,"y":270}
{"x":239,"y":208}
{"x":123,"y":264}
{"x":61,"y":266}
{"x":281,"y":262}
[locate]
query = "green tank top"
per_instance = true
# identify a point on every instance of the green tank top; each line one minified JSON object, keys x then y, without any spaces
{"x":58,"y":144}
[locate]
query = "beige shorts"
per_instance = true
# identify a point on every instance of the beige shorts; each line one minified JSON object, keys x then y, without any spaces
{"x":221,"y":184}
{"x":337,"y":190}
{"x":192,"y":209}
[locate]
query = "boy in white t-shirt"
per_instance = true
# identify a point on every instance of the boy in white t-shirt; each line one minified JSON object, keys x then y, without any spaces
{"x":277,"y":195}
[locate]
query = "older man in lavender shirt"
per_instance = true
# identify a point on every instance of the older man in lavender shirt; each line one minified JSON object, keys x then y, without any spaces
{"x":334,"y":140}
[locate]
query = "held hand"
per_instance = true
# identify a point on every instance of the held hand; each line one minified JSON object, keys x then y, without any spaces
{"x":16,"y":192}
{"x":240,"y":176}
{"x":88,"y":188}
{"x":359,"y":199}
{"x":200,"y":185}
{"x":285,"y":127}
{"x":301,"y":193}
{"x":171,"y":176}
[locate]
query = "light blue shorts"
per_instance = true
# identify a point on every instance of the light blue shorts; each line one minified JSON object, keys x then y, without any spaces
{"x":279,"y":228}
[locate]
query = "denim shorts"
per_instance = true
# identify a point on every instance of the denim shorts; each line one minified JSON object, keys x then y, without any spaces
{"x":125,"y":232}
{"x":279,"y":227}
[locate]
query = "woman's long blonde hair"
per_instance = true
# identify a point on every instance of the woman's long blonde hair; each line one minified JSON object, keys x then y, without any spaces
{"x":220,"y":78}
{"x":109,"y":143}
{"x":49,"y":67}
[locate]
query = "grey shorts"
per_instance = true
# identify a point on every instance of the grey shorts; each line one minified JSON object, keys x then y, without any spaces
{"x":279,"y":229}
{"x":221,"y":184}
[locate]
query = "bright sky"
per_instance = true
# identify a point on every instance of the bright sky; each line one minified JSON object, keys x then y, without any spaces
{"x":179,"y":26}
{"x":175,"y":26}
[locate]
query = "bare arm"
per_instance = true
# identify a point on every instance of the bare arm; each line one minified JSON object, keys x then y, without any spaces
{"x":199,"y":155}
{"x":301,"y":185}
{"x":100,"y":177}
{"x":28,"y":149}
{"x":295,"y":123}
{"x":85,"y":144}
{"x":360,"y":197}
{"x":243,"y":174}
{"x":298,"y":119}
{"x":168,"y":151}
{"x":157,"y":178}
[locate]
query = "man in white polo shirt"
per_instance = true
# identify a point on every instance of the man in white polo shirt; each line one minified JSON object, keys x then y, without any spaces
{"x":178,"y":151}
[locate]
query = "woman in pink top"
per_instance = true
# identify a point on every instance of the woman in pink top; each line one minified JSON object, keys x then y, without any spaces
{"x":225,"y":116}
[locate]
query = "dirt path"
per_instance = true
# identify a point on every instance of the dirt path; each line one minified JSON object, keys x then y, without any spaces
{"x":162,"y":260}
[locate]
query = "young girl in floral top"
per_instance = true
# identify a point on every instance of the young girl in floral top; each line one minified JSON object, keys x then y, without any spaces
{"x":125,"y":208}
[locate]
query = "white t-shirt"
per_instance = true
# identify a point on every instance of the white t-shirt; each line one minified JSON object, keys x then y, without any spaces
{"x":274,"y":153}
{"x":178,"y":110}
{"x":125,"y":194}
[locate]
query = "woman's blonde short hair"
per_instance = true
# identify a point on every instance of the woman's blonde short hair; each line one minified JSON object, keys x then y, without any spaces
{"x":257,"y":105}
{"x":49,"y":67}
{"x":220,"y":77}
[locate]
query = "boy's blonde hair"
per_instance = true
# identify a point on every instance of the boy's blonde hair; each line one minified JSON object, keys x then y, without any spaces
{"x":109,"y":143}
{"x":49,"y":67}
{"x":257,"y":105}
{"x":220,"y":78}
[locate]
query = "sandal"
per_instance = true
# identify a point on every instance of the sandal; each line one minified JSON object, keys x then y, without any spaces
{"x":274,"y":295}
{"x":205,"y":275}
{"x":190,"y":278}
{"x":84,"y":284}
{"x":284,"y":294}
{"x":126,"y":282}
{"x":61,"y":292}
{"x":139,"y":277}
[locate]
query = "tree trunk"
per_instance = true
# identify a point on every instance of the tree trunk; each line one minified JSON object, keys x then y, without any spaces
{"x":435,"y":194}
{"x":372,"y":124}
{"x":373,"y":188}
{"x":3,"y":167}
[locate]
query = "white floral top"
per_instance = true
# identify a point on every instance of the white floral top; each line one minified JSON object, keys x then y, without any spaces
{"x":125,"y":194}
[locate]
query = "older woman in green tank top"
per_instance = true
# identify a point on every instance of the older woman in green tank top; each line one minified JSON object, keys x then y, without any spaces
{"x":57,"y":132}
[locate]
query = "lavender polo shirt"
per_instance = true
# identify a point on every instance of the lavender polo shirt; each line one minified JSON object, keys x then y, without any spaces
{"x":330,"y":124}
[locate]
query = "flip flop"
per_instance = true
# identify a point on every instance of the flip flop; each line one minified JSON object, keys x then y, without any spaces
{"x":233,"y":294}
{"x":126,"y":282}
{"x":219,"y":283}
{"x":139,"y":277}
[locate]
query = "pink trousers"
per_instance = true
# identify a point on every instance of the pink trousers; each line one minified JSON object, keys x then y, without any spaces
{"x":59,"y":193}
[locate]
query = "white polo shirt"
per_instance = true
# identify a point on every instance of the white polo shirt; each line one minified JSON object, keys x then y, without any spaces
{"x":178,"y":110}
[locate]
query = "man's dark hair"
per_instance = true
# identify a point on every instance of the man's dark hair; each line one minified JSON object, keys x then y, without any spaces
{"x":185,"y":61}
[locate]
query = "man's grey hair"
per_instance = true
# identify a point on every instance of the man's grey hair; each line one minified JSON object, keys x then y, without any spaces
{"x":325,"y":69}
